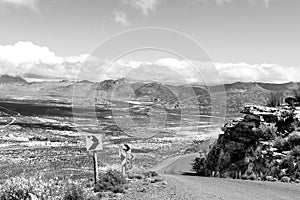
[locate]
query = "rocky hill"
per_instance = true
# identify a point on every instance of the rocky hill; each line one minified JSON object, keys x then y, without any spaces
{"x":4,"y":112}
{"x":263,"y":145}
{"x":237,"y":94}
{"x":6,"y":79}
{"x":255,"y":86}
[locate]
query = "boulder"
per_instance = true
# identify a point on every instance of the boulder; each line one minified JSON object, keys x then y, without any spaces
{"x":269,"y":178}
{"x":132,"y":175}
{"x":285,"y":179}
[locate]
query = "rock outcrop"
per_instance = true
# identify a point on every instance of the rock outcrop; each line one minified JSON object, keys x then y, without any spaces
{"x":263,"y":145}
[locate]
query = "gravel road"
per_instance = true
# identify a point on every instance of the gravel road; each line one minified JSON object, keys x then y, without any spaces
{"x":202,"y":188}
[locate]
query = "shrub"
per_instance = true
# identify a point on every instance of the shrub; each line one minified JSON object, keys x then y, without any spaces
{"x":275,"y":99}
{"x":150,"y":174}
{"x":74,"y":193}
{"x":198,"y":146}
{"x":282,"y":145}
{"x":296,"y":93}
{"x":15,"y":193}
{"x":294,"y":140}
{"x":20,"y":188}
{"x":199,"y":166}
{"x":17,"y":188}
{"x":296,"y":152}
{"x":287,"y":162}
{"x":112,"y":181}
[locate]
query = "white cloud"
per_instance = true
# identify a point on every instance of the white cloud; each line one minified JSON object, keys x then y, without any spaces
{"x":265,"y":3}
{"x":191,"y":71}
{"x":273,"y":73}
{"x":221,"y":2}
{"x":218,"y":2}
{"x":30,"y":4}
{"x":121,"y":18}
{"x":167,"y":70}
{"x":26,"y":57}
{"x":144,"y":6}
{"x":27,"y":52}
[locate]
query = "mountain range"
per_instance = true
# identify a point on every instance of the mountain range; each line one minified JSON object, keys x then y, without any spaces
{"x":122,"y":89}
{"x":109,"y":84}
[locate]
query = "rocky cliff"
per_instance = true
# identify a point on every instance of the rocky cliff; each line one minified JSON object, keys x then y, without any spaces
{"x":263,"y":145}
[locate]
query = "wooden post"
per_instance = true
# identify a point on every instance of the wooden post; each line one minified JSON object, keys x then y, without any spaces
{"x":96,"y":171}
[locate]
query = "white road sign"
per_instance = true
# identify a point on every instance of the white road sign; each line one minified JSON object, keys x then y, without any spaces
{"x":94,"y":142}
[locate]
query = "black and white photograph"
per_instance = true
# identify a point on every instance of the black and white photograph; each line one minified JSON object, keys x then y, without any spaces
{"x":149,"y":99}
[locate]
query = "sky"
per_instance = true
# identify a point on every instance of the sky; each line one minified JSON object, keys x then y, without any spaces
{"x":208,"y":41}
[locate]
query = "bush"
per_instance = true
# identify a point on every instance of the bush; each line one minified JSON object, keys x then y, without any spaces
{"x":17,"y":189}
{"x":275,"y":99}
{"x":199,"y":166}
{"x":282,"y":145}
{"x":20,"y":188}
{"x":15,"y":193}
{"x":112,"y":181}
{"x":150,"y":174}
{"x":296,"y":93}
{"x":74,"y":193}
{"x":287,"y":163}
{"x":198,"y":146}
{"x":294,"y":140}
{"x":296,"y":151}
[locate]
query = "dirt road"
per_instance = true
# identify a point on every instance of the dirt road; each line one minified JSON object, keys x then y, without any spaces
{"x":194,"y":187}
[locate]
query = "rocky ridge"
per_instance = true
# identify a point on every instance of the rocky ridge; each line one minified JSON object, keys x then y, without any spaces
{"x":263,"y":145}
{"x":6,"y":79}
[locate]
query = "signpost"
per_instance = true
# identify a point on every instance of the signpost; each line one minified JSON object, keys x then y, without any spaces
{"x":94,"y":144}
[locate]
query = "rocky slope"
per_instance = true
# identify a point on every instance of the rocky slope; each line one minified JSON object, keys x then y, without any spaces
{"x":5,"y":79}
{"x":264,"y":144}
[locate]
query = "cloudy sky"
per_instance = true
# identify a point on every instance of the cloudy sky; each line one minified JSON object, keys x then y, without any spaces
{"x":240,"y":40}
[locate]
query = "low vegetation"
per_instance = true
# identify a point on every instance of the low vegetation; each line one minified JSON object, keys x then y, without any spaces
{"x":43,"y":188}
{"x":294,"y":140}
{"x":296,"y":94}
{"x":275,"y":99}
{"x":282,"y":144}
{"x":112,"y":181}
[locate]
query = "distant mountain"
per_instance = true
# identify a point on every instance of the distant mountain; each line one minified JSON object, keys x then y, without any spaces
{"x":84,"y":81}
{"x":5,"y":112}
{"x":240,"y":86}
{"x":123,"y":89}
{"x":156,"y":91}
{"x":119,"y":89}
{"x":6,"y":79}
{"x":258,"y":86}
{"x":39,"y":77}
{"x":278,"y":87}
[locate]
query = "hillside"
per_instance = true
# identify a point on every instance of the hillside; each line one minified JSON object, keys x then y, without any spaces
{"x":237,"y":94}
{"x":6,"y":79}
{"x":248,"y":86}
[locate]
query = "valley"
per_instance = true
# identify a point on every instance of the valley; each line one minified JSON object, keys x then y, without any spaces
{"x":44,"y":124}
